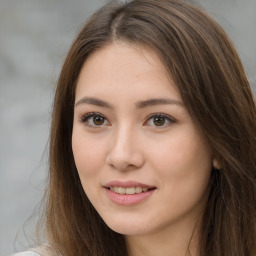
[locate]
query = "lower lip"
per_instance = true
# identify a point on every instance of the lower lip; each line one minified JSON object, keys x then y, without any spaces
{"x":127,"y":200}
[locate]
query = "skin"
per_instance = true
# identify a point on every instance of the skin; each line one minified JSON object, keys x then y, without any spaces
{"x":129,"y":145}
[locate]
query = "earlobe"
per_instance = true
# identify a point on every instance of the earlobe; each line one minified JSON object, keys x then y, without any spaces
{"x":216,"y":164}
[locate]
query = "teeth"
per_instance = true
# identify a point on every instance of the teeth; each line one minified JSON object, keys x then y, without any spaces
{"x":128,"y":191}
{"x":121,"y":190}
{"x":138,"y":190}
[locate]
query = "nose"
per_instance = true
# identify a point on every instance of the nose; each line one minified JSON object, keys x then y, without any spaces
{"x":124,"y":152}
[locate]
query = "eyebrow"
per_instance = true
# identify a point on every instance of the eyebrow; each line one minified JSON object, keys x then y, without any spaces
{"x":94,"y":101}
{"x":158,"y":101}
{"x":139,"y":105}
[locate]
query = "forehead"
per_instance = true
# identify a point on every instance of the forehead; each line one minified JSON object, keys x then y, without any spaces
{"x":121,"y":66}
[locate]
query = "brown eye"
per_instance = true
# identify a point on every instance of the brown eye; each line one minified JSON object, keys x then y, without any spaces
{"x":159,"y":121}
{"x":98,"y":120}
{"x":94,"y":120}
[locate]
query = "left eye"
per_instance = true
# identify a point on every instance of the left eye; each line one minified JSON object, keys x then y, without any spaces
{"x":94,"y":120}
{"x":160,"y":120}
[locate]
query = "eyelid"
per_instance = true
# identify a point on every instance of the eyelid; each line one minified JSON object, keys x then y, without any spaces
{"x":88,"y":115}
{"x":168,"y":117}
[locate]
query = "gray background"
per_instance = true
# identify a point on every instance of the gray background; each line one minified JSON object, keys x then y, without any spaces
{"x":34,"y":38}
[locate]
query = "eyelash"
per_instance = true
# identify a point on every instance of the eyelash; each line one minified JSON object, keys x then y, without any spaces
{"x":86,"y":118}
{"x":167,"y":118}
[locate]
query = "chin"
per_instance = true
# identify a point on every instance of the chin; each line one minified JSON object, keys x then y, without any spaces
{"x":128,"y":227}
{"x":127,"y":231}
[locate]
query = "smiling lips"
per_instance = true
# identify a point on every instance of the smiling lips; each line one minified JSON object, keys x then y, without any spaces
{"x":128,"y":193}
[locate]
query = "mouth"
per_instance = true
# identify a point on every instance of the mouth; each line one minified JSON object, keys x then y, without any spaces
{"x":129,"y":190}
{"x":128,"y":193}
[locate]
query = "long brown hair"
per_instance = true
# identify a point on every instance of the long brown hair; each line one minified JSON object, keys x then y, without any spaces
{"x":210,"y":77}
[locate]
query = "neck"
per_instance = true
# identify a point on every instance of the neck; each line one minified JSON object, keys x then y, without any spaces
{"x":179,"y":240}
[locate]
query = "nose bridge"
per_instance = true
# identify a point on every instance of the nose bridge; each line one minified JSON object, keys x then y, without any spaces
{"x":124,"y":149}
{"x":123,"y":138}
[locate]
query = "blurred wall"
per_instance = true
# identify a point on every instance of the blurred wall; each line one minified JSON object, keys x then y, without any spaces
{"x":34,"y":38}
{"x":238,"y":18}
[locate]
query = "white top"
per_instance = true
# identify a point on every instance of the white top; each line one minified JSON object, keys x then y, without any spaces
{"x":27,"y":253}
{"x":37,"y":251}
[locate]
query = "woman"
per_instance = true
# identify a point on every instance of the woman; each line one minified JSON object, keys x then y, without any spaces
{"x":152,"y":147}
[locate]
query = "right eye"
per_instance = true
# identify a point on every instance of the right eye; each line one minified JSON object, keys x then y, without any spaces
{"x":94,"y":120}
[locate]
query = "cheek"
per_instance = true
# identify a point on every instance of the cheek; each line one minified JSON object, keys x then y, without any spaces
{"x":184,"y":160}
{"x":88,"y":155}
{"x":183,"y":169}
{"x":89,"y":158}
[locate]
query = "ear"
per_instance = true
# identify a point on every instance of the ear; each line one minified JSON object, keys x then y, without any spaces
{"x":216,"y":164}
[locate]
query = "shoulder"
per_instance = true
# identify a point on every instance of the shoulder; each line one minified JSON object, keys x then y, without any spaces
{"x":26,"y":253}
{"x":37,"y":251}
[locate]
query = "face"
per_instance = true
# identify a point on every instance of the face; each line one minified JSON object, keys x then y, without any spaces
{"x":141,"y":161}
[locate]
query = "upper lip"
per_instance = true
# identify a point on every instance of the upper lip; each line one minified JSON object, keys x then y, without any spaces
{"x":127,"y":184}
